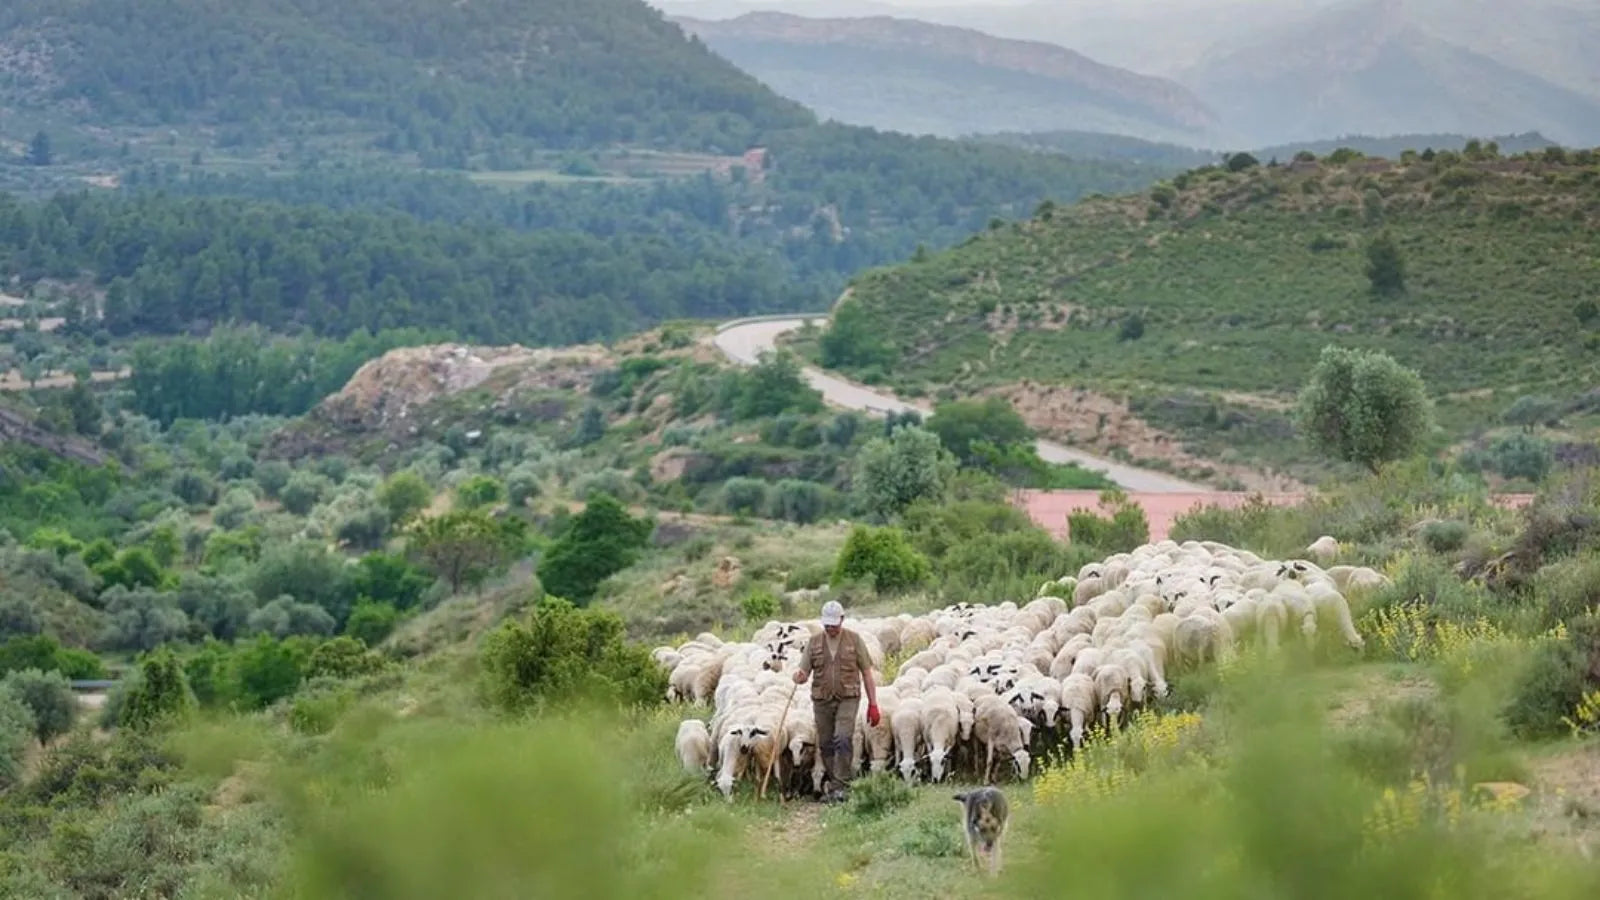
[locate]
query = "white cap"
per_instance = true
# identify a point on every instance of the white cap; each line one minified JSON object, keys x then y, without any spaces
{"x":832,"y":613}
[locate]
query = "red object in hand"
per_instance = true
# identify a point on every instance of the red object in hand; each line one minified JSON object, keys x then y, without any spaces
{"x":872,"y":714}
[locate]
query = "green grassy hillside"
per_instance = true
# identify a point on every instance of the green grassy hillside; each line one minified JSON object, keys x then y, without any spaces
{"x":1232,"y":282}
{"x":415,"y":74}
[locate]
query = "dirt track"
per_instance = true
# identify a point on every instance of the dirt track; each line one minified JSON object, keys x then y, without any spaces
{"x":745,"y":341}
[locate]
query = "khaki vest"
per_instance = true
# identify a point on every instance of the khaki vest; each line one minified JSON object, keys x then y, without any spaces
{"x":837,"y":678}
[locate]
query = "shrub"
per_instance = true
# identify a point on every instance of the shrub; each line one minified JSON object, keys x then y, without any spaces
{"x":1126,"y":528}
{"x":160,"y":696}
{"x":303,"y":492}
{"x":343,"y":657}
{"x":17,"y":732}
{"x":364,"y":529}
{"x":404,"y":494}
{"x":881,"y":557}
{"x":1554,"y":680}
{"x":879,"y":794}
{"x":479,"y":491}
{"x":1445,"y":537}
{"x":371,"y":622}
{"x":317,"y":711}
{"x":522,"y":485}
{"x":48,"y":696}
{"x":1522,"y":455}
{"x":759,"y":605}
{"x":273,"y":475}
{"x":566,"y":655}
{"x":265,"y":671}
{"x":744,"y":496}
{"x":798,"y":501}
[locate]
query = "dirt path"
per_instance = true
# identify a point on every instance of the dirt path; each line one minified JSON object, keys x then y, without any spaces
{"x":744,"y":341}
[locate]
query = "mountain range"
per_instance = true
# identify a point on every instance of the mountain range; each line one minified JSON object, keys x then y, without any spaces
{"x":1265,"y":71}
{"x":921,"y":78}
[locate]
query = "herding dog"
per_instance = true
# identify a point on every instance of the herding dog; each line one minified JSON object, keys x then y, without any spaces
{"x":985,"y":814}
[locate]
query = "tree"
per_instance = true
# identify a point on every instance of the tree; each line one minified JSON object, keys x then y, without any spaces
{"x":479,"y":491}
{"x":465,"y":547}
{"x":774,"y":385}
{"x":1363,"y":407}
{"x":1386,"y":267}
{"x":49,"y":696}
{"x":159,"y":695}
{"x":1522,"y":455}
{"x":1529,"y":411}
{"x":40,"y":151}
{"x":895,"y":472}
{"x":591,"y":426}
{"x":16,"y":737}
{"x":404,"y":494}
{"x":851,"y":341}
{"x":882,"y":557}
{"x":962,"y":423}
{"x":1239,"y":162}
{"x":371,"y":622}
{"x":600,"y":541}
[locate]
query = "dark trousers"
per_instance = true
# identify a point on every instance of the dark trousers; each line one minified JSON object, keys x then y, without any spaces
{"x":836,"y":725}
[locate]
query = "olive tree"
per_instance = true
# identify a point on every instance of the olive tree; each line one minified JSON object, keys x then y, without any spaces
{"x":1361,"y":406}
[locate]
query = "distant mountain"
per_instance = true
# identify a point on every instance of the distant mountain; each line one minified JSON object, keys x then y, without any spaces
{"x":908,"y":75}
{"x":1376,"y":66}
{"x":410,"y":75}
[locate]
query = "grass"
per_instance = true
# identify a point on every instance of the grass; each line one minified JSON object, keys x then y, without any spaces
{"x":1242,"y":278}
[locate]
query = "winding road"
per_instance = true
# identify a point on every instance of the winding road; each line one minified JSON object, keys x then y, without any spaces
{"x":744,"y":340}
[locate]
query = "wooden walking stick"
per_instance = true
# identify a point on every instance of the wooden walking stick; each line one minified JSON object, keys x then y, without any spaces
{"x":777,"y":748}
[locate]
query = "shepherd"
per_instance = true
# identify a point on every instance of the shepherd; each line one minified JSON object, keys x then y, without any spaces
{"x":842,"y":667}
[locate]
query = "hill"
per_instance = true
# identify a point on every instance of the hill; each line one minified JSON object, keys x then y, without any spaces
{"x":1097,"y":145}
{"x":1207,"y":300}
{"x":412,"y":75}
{"x":1377,"y":66}
{"x":912,"y":76}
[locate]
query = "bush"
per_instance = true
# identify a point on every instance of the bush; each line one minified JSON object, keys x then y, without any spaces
{"x":273,"y":475}
{"x":317,"y":711}
{"x":744,"y":496}
{"x":17,"y":730}
{"x":343,"y":658}
{"x":264,"y":672}
{"x":479,"y":491}
{"x":522,"y":485}
{"x":304,"y":491}
{"x":881,"y":557}
{"x":404,"y":494}
{"x":1553,"y":681}
{"x":1445,"y":537}
{"x":759,"y":605}
{"x":48,"y":696}
{"x":565,"y":655}
{"x":879,"y":794}
{"x":371,"y":622}
{"x":1522,"y":455}
{"x":1126,"y":528}
{"x":799,"y":501}
{"x":159,"y":696}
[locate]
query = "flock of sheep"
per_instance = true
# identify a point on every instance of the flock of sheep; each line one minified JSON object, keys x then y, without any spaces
{"x":978,"y":683}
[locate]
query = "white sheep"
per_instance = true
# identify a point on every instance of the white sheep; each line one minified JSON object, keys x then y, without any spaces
{"x":694,"y":745}
{"x":1324,"y":549}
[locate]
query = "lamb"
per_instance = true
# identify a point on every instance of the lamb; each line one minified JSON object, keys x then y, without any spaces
{"x":694,"y":745}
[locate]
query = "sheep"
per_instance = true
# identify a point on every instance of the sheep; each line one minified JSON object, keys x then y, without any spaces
{"x":1324,"y":549}
{"x":694,"y":745}
{"x":1078,"y":699}
{"x":999,"y":729}
{"x":907,"y":731}
{"x":1110,"y":687}
{"x":941,"y":726}
{"x":1328,"y":602}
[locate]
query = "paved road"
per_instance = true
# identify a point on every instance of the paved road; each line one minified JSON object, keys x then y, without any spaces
{"x":743,"y":342}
